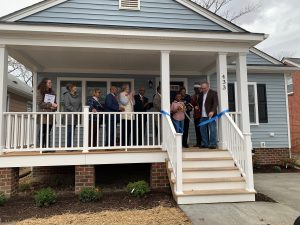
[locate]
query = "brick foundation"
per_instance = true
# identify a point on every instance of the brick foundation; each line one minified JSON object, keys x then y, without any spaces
{"x":84,"y":177}
{"x":158,"y":176}
{"x":54,"y":175}
{"x":270,"y":156}
{"x":9,"y":181}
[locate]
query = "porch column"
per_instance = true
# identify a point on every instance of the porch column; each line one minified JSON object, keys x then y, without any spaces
{"x":3,"y":93}
{"x":34,"y":90}
{"x":222,"y":86}
{"x":243,"y":107}
{"x":165,"y":88}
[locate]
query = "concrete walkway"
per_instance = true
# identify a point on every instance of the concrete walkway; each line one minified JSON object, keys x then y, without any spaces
{"x":283,"y":188}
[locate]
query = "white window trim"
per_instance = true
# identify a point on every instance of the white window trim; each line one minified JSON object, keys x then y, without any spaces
{"x":175,"y":79}
{"x":256,"y":123}
{"x":289,"y":76}
{"x":84,"y":81}
{"x":130,"y":8}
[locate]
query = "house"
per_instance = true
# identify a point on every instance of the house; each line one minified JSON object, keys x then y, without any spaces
{"x":19,"y":95}
{"x":293,"y":96}
{"x":140,"y":42}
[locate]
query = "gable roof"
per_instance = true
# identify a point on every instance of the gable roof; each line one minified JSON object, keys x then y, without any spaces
{"x":292,"y":61}
{"x":258,"y":57}
{"x":199,"y":18}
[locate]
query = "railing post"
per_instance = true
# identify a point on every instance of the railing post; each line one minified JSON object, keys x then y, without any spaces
{"x":179,"y":189}
{"x":85,"y":129}
{"x":249,"y":168}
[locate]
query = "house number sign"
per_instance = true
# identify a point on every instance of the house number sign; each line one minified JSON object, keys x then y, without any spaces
{"x":224,"y":83}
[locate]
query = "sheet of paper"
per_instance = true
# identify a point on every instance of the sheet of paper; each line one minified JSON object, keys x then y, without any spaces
{"x":49,"y":98}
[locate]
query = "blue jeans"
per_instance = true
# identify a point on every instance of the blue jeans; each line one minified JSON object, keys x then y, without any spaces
{"x":178,"y":125}
{"x":211,"y":139}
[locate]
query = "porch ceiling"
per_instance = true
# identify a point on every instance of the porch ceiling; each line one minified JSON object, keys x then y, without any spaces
{"x":57,"y":59}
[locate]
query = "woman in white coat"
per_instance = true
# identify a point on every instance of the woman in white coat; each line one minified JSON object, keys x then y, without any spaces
{"x":127,"y":102}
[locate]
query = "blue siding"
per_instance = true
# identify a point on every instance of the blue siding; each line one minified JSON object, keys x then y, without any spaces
{"x":253,"y":59}
{"x":153,"y":14}
{"x":277,"y":115}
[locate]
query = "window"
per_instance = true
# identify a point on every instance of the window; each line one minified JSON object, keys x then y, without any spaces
{"x":289,"y":82}
{"x":257,"y":98}
{"x":129,"y":4}
{"x":253,"y":109}
{"x":231,"y":98}
{"x":262,"y":103}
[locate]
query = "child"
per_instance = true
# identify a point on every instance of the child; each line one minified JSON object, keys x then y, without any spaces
{"x":178,"y":108}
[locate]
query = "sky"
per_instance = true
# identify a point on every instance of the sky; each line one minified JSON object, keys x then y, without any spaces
{"x":277,"y":18}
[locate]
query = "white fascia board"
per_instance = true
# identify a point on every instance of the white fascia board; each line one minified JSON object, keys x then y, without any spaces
{"x":266,"y":69}
{"x":20,"y":92}
{"x":290,"y":62}
{"x":266,"y":56}
{"x":211,"y":16}
{"x":28,"y":11}
{"x":124,"y":33}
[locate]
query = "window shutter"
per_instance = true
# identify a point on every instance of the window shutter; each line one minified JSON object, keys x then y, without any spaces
{"x":129,"y":4}
{"x":231,"y":98}
{"x":262,"y":103}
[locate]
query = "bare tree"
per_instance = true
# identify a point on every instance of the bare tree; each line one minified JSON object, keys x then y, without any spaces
{"x":224,"y":8}
{"x":19,"y":70}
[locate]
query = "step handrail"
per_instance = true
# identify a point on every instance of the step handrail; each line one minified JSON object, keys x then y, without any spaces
{"x":172,"y":142}
{"x":239,"y":146}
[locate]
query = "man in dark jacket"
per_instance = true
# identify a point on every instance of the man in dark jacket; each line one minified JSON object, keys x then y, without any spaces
{"x":111,"y":105}
{"x":208,"y":101}
{"x":141,"y":105}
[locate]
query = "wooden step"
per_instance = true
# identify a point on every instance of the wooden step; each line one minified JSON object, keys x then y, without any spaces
{"x":211,"y":180}
{"x":215,"y":192}
{"x":207,"y":159}
{"x":195,"y":169}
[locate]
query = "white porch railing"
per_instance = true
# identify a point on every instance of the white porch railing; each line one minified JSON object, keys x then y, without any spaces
{"x":173,"y":145}
{"x":24,"y":131}
{"x":235,"y":116}
{"x":239,"y":145}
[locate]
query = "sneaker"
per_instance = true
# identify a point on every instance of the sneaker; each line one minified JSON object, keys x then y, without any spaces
{"x":202,"y":146}
{"x":185,"y":146}
{"x":212,"y":147}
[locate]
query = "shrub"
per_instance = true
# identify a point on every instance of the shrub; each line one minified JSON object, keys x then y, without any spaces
{"x":289,"y":162}
{"x":45,"y":197}
{"x":89,"y":194}
{"x":277,"y":169}
{"x":2,"y":199}
{"x":256,"y":164}
{"x":138,"y":189}
{"x":24,"y":187}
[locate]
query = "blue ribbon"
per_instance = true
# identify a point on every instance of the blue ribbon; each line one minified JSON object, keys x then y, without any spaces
{"x":168,"y":114}
{"x":213,"y":118}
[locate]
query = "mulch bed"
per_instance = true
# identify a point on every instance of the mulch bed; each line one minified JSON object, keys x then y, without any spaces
{"x":23,"y":207}
{"x":272,"y":169}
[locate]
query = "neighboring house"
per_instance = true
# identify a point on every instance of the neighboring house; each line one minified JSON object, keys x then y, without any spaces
{"x":293,"y":85}
{"x":97,"y":44}
{"x":19,"y":95}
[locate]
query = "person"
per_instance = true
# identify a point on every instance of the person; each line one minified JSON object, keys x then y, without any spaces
{"x":177,"y":110}
{"x":187,"y":102}
{"x":197,"y":112}
{"x":157,"y":107}
{"x":111,"y":105}
{"x":95,"y":106}
{"x":141,"y":105}
{"x":72,"y":103}
{"x":208,"y":101}
{"x":46,"y":101}
{"x":127,"y":103}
